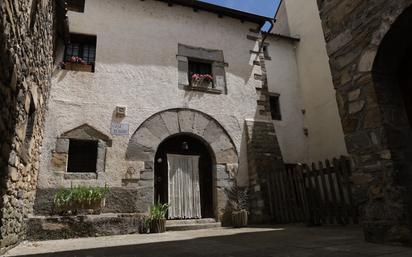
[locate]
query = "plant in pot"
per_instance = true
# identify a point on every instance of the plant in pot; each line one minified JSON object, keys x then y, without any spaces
{"x":144,"y":225}
{"x":157,"y":216}
{"x":70,"y":201}
{"x":76,"y":63}
{"x":202,"y":80}
{"x":239,"y":202}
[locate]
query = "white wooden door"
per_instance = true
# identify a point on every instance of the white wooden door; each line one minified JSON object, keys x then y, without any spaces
{"x":183,"y":188}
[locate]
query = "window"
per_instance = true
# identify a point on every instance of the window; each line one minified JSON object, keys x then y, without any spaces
{"x":75,"y":5}
{"x":30,"y":122}
{"x":201,"y":68}
{"x":82,"y":156}
{"x":208,"y":63}
{"x":265,"y":49}
{"x":82,"y":46}
{"x":275,"y":107}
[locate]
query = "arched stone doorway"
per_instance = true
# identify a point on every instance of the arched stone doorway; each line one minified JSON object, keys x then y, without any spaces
{"x":392,"y":78}
{"x":157,"y":136}
{"x":186,"y":145}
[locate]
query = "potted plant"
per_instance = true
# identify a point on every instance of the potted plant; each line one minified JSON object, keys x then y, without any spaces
{"x":144,"y":225}
{"x":76,"y":63}
{"x":202,"y":80}
{"x":157,"y":216}
{"x":239,"y":201}
{"x":70,"y":201}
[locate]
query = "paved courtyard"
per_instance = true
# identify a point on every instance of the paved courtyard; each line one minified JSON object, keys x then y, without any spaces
{"x":279,"y":241}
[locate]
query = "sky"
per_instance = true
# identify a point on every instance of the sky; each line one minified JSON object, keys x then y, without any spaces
{"x":262,"y":7}
{"x":265,"y":8}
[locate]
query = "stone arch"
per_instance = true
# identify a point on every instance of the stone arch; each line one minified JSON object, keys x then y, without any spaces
{"x":392,"y":80}
{"x":144,"y":142}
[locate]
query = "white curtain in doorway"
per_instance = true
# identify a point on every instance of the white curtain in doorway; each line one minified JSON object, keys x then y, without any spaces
{"x":184,"y":188}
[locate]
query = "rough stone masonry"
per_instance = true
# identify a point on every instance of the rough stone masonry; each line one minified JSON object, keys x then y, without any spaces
{"x":371,"y":108}
{"x":26,"y":47}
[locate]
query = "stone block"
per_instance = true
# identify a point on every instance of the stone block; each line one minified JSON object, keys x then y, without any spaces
{"x":186,"y":120}
{"x":200,"y":124}
{"x":221,"y":144}
{"x":59,"y":161}
{"x":213,"y":132}
{"x":356,"y":107}
{"x":138,"y":152}
{"x":354,"y":95}
{"x":171,"y":121}
{"x":366,"y":61}
{"x":14,"y":174}
{"x":227,"y":156}
{"x":221,"y":172}
{"x":62,"y":145}
{"x":157,"y":127}
{"x":145,"y":138}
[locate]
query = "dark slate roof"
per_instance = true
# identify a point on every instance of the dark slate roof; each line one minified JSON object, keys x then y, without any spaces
{"x":220,"y":10}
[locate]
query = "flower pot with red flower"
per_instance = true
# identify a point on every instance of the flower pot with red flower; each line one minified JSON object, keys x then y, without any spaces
{"x":76,"y":63}
{"x":202,"y":80}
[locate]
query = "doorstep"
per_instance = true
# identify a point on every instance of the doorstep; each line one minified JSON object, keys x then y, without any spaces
{"x":192,"y":224}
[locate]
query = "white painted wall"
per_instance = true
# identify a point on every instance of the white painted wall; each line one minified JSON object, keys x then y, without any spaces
{"x":322,"y":119}
{"x":136,"y":66}
{"x":283,"y":79}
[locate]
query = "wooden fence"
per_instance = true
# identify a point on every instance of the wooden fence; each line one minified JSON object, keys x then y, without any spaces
{"x":316,"y":194}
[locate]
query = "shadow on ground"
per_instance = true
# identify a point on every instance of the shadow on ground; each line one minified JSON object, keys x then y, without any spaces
{"x":290,"y":241}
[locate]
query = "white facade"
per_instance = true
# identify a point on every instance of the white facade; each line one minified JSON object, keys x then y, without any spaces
{"x":310,"y":129}
{"x":136,"y":67}
{"x":325,"y":134}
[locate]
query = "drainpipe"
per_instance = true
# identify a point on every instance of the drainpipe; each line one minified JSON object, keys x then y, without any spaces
{"x":272,"y":24}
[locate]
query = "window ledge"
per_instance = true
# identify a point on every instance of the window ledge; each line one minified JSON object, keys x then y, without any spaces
{"x":204,"y":89}
{"x":80,"y":175}
{"x":78,"y":67}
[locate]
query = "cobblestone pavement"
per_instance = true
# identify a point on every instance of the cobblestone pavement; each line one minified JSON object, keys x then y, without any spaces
{"x":286,"y":241}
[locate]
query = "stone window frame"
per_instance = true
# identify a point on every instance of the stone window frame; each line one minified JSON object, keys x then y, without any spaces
{"x":84,"y":132}
{"x":215,"y":57}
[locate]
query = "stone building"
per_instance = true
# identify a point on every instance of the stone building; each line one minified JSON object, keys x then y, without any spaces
{"x":26,"y":61}
{"x":369,"y":45}
{"x":135,"y":106}
{"x":158,"y":84}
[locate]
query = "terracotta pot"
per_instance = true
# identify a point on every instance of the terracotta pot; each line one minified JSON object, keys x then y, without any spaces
{"x":78,"y":67}
{"x":239,"y":218}
{"x":158,"y":226}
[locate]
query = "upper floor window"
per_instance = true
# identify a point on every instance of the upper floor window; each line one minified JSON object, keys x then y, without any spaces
{"x":275,"y":107}
{"x":265,"y":50}
{"x":80,"y":53}
{"x":201,"y":69}
{"x":200,"y":74}
{"x":75,"y":5}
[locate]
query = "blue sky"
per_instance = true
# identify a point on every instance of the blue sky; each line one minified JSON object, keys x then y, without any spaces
{"x":262,"y":7}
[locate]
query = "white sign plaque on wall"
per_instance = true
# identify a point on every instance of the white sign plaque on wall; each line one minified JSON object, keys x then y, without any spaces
{"x":120,"y":129}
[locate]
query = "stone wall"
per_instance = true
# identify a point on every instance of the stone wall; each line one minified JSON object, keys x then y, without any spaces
{"x":370,"y":113}
{"x":264,"y":154}
{"x":26,"y":48}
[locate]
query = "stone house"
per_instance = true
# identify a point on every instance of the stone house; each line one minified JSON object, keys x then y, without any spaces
{"x":28,"y":30}
{"x":141,"y":103}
